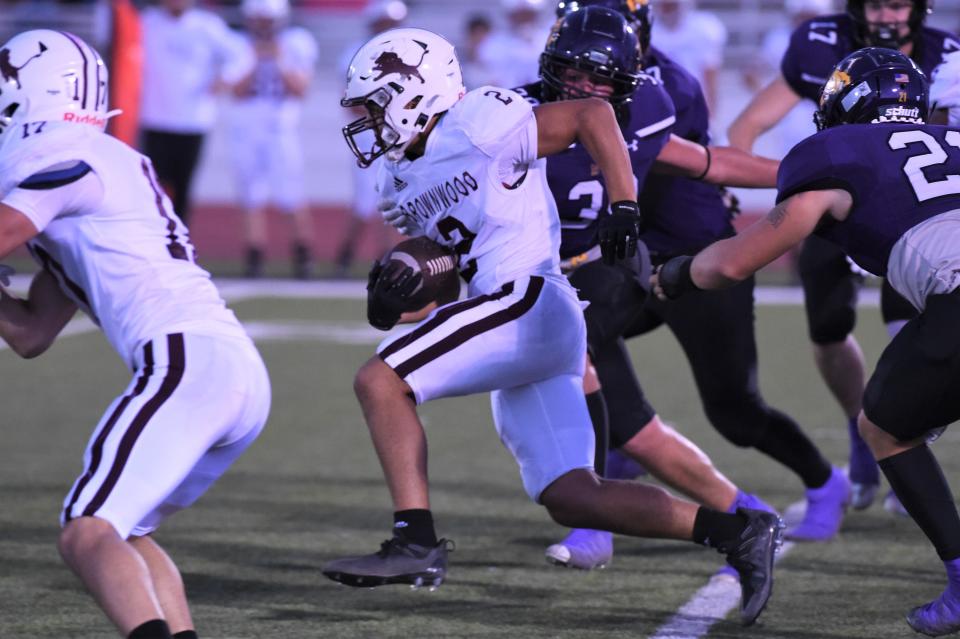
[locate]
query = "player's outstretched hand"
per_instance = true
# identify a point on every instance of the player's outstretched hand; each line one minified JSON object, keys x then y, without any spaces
{"x":618,"y":232}
{"x":389,"y":289}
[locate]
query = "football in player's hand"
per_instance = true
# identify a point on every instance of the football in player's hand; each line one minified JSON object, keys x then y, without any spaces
{"x":437,"y":264}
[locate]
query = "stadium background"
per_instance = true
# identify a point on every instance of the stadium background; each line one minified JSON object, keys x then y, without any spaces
{"x":310,"y":489}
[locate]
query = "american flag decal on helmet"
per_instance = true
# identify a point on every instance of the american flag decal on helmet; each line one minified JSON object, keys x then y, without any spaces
{"x":902,"y":78}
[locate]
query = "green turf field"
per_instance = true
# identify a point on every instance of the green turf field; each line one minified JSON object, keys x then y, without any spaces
{"x":310,"y":489}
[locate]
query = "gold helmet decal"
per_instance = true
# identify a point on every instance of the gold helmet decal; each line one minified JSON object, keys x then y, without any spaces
{"x":837,"y":81}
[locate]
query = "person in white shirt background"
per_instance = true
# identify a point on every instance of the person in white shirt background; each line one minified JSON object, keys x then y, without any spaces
{"x":381,"y":16}
{"x":694,"y":39}
{"x":511,"y":56}
{"x":268,"y":156}
{"x":190,"y":55}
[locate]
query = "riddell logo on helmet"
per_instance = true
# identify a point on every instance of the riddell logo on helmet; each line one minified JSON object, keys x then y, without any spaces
{"x":86,"y":118}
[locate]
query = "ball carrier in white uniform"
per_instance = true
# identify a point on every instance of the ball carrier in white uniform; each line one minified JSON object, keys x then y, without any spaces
{"x":91,"y":212}
{"x":466,"y":171}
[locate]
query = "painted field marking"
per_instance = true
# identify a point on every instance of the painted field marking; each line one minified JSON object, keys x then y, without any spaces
{"x":707,"y":606}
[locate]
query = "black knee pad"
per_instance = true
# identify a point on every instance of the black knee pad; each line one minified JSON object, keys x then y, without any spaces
{"x":830,"y":291}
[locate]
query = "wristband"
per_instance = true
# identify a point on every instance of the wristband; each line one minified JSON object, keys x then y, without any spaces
{"x":675,"y":278}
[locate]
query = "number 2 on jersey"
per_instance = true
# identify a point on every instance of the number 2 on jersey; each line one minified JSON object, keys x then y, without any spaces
{"x":913,"y":168}
{"x":450,"y":227}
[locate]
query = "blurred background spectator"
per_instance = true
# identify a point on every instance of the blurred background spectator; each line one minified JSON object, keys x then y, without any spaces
{"x":797,"y":124}
{"x":476,"y":31}
{"x":268,"y":153}
{"x":190,"y":55}
{"x":694,"y":39}
{"x":510,"y":55}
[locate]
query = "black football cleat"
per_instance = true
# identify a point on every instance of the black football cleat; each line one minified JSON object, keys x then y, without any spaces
{"x":397,"y":562}
{"x":751,"y":555}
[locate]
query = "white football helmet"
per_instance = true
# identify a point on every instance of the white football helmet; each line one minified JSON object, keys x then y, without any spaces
{"x":269,"y":9}
{"x":51,"y":75}
{"x":403,"y":77}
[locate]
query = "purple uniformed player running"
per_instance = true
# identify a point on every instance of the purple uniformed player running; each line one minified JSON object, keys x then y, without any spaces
{"x":830,"y":286}
{"x":884,"y":187}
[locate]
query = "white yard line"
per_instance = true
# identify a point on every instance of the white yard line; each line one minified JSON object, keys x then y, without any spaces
{"x":708,"y":605}
{"x":239,"y":289}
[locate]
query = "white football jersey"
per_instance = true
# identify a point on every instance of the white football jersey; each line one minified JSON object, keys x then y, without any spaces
{"x":480,"y":189}
{"x":119,"y":251}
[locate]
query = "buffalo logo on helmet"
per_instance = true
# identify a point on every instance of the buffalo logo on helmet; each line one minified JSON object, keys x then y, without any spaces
{"x":390,"y":62}
{"x":835,"y":83}
{"x":10,"y":71}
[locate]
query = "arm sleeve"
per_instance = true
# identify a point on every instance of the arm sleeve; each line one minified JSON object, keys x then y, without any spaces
{"x":492,"y":117}
{"x":518,"y":153}
{"x":43,"y":206}
{"x":814,"y":165}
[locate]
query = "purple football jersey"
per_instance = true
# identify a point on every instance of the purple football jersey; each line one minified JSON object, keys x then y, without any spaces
{"x":681,"y":215}
{"x":898,"y":175}
{"x":575,"y":180}
{"x":817,"y":45}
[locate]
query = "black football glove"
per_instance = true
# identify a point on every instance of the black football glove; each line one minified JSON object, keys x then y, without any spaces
{"x":618,"y":232}
{"x":389,"y":289}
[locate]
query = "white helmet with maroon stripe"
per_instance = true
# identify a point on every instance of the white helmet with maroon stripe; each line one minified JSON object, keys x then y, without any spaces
{"x":54,"y":76}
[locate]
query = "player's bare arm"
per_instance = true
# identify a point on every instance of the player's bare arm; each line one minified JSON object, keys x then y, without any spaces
{"x":15,"y":229}
{"x":729,"y":261}
{"x":592,"y":122}
{"x":30,"y":325}
{"x":766,"y":109}
{"x":716,"y":164}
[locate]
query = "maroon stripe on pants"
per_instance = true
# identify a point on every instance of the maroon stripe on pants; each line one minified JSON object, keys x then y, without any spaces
{"x":96,"y":454}
{"x":442,"y":316}
{"x":176,"y":362}
{"x":470,"y":331}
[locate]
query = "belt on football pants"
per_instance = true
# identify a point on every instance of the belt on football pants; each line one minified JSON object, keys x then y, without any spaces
{"x":572,"y":263}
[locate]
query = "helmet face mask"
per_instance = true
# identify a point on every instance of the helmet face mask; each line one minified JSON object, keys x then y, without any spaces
{"x":402,"y":77}
{"x":873,"y":32}
{"x":595,"y":41}
{"x":385,"y":137}
{"x":873,"y":85}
